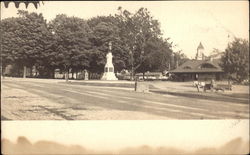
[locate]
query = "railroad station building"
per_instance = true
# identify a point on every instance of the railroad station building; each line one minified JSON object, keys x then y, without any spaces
{"x":201,"y":68}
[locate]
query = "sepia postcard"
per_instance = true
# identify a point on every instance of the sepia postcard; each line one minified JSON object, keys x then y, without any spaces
{"x":125,"y":77}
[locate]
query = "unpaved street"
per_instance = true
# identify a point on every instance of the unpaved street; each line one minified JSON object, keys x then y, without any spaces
{"x":56,"y":100}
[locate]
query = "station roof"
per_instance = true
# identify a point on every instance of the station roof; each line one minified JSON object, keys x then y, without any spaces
{"x":198,"y":66}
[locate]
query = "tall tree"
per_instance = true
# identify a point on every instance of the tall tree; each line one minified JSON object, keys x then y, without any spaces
{"x":8,"y":27}
{"x":235,"y":61}
{"x":73,"y":45}
{"x":179,"y":58}
{"x":105,"y":29}
{"x":26,"y":37}
{"x":141,"y":35}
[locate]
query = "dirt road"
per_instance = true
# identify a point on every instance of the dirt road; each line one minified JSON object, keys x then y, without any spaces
{"x":56,"y":100}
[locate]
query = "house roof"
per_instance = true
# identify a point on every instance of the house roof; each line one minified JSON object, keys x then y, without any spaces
{"x":198,"y":66}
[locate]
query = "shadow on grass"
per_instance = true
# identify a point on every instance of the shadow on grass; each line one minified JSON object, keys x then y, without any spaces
{"x":236,"y":98}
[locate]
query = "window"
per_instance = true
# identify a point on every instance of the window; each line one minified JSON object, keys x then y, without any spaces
{"x":106,"y":69}
{"x":111,"y":69}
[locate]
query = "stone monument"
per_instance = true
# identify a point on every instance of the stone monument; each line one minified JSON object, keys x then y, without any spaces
{"x":109,"y":67}
{"x":86,"y":75}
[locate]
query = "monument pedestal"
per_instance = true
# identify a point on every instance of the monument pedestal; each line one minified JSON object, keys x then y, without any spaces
{"x":109,"y":67}
{"x":109,"y":76}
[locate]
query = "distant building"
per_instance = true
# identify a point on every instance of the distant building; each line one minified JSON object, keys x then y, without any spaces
{"x":200,"y":52}
{"x":201,"y":68}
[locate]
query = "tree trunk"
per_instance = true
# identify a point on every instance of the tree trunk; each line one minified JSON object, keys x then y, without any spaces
{"x":31,"y":75}
{"x":24,"y":71}
{"x":67,"y":75}
{"x":143,"y":76}
{"x":90,"y":75}
{"x":77,"y":74}
{"x":52,"y":73}
{"x":2,"y":71}
{"x":132,"y":74}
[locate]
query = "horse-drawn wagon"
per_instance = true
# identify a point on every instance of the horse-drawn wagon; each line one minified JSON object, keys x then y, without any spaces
{"x":212,"y":86}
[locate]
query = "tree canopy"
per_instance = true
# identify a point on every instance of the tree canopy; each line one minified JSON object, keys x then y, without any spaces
{"x":235,"y":60}
{"x":72,"y":43}
{"x":25,"y":39}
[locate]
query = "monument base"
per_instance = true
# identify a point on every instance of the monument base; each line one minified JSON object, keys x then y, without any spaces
{"x":109,"y":76}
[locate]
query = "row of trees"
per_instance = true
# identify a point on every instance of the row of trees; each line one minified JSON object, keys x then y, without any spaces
{"x":72,"y":43}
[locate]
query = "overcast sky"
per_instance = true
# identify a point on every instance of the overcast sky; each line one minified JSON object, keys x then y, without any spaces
{"x":186,"y":23}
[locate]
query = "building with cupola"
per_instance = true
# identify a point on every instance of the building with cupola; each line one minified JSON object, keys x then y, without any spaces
{"x":201,"y":68}
{"x":200,"y":52}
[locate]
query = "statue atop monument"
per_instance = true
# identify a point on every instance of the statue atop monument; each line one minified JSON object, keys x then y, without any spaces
{"x":109,"y":67}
